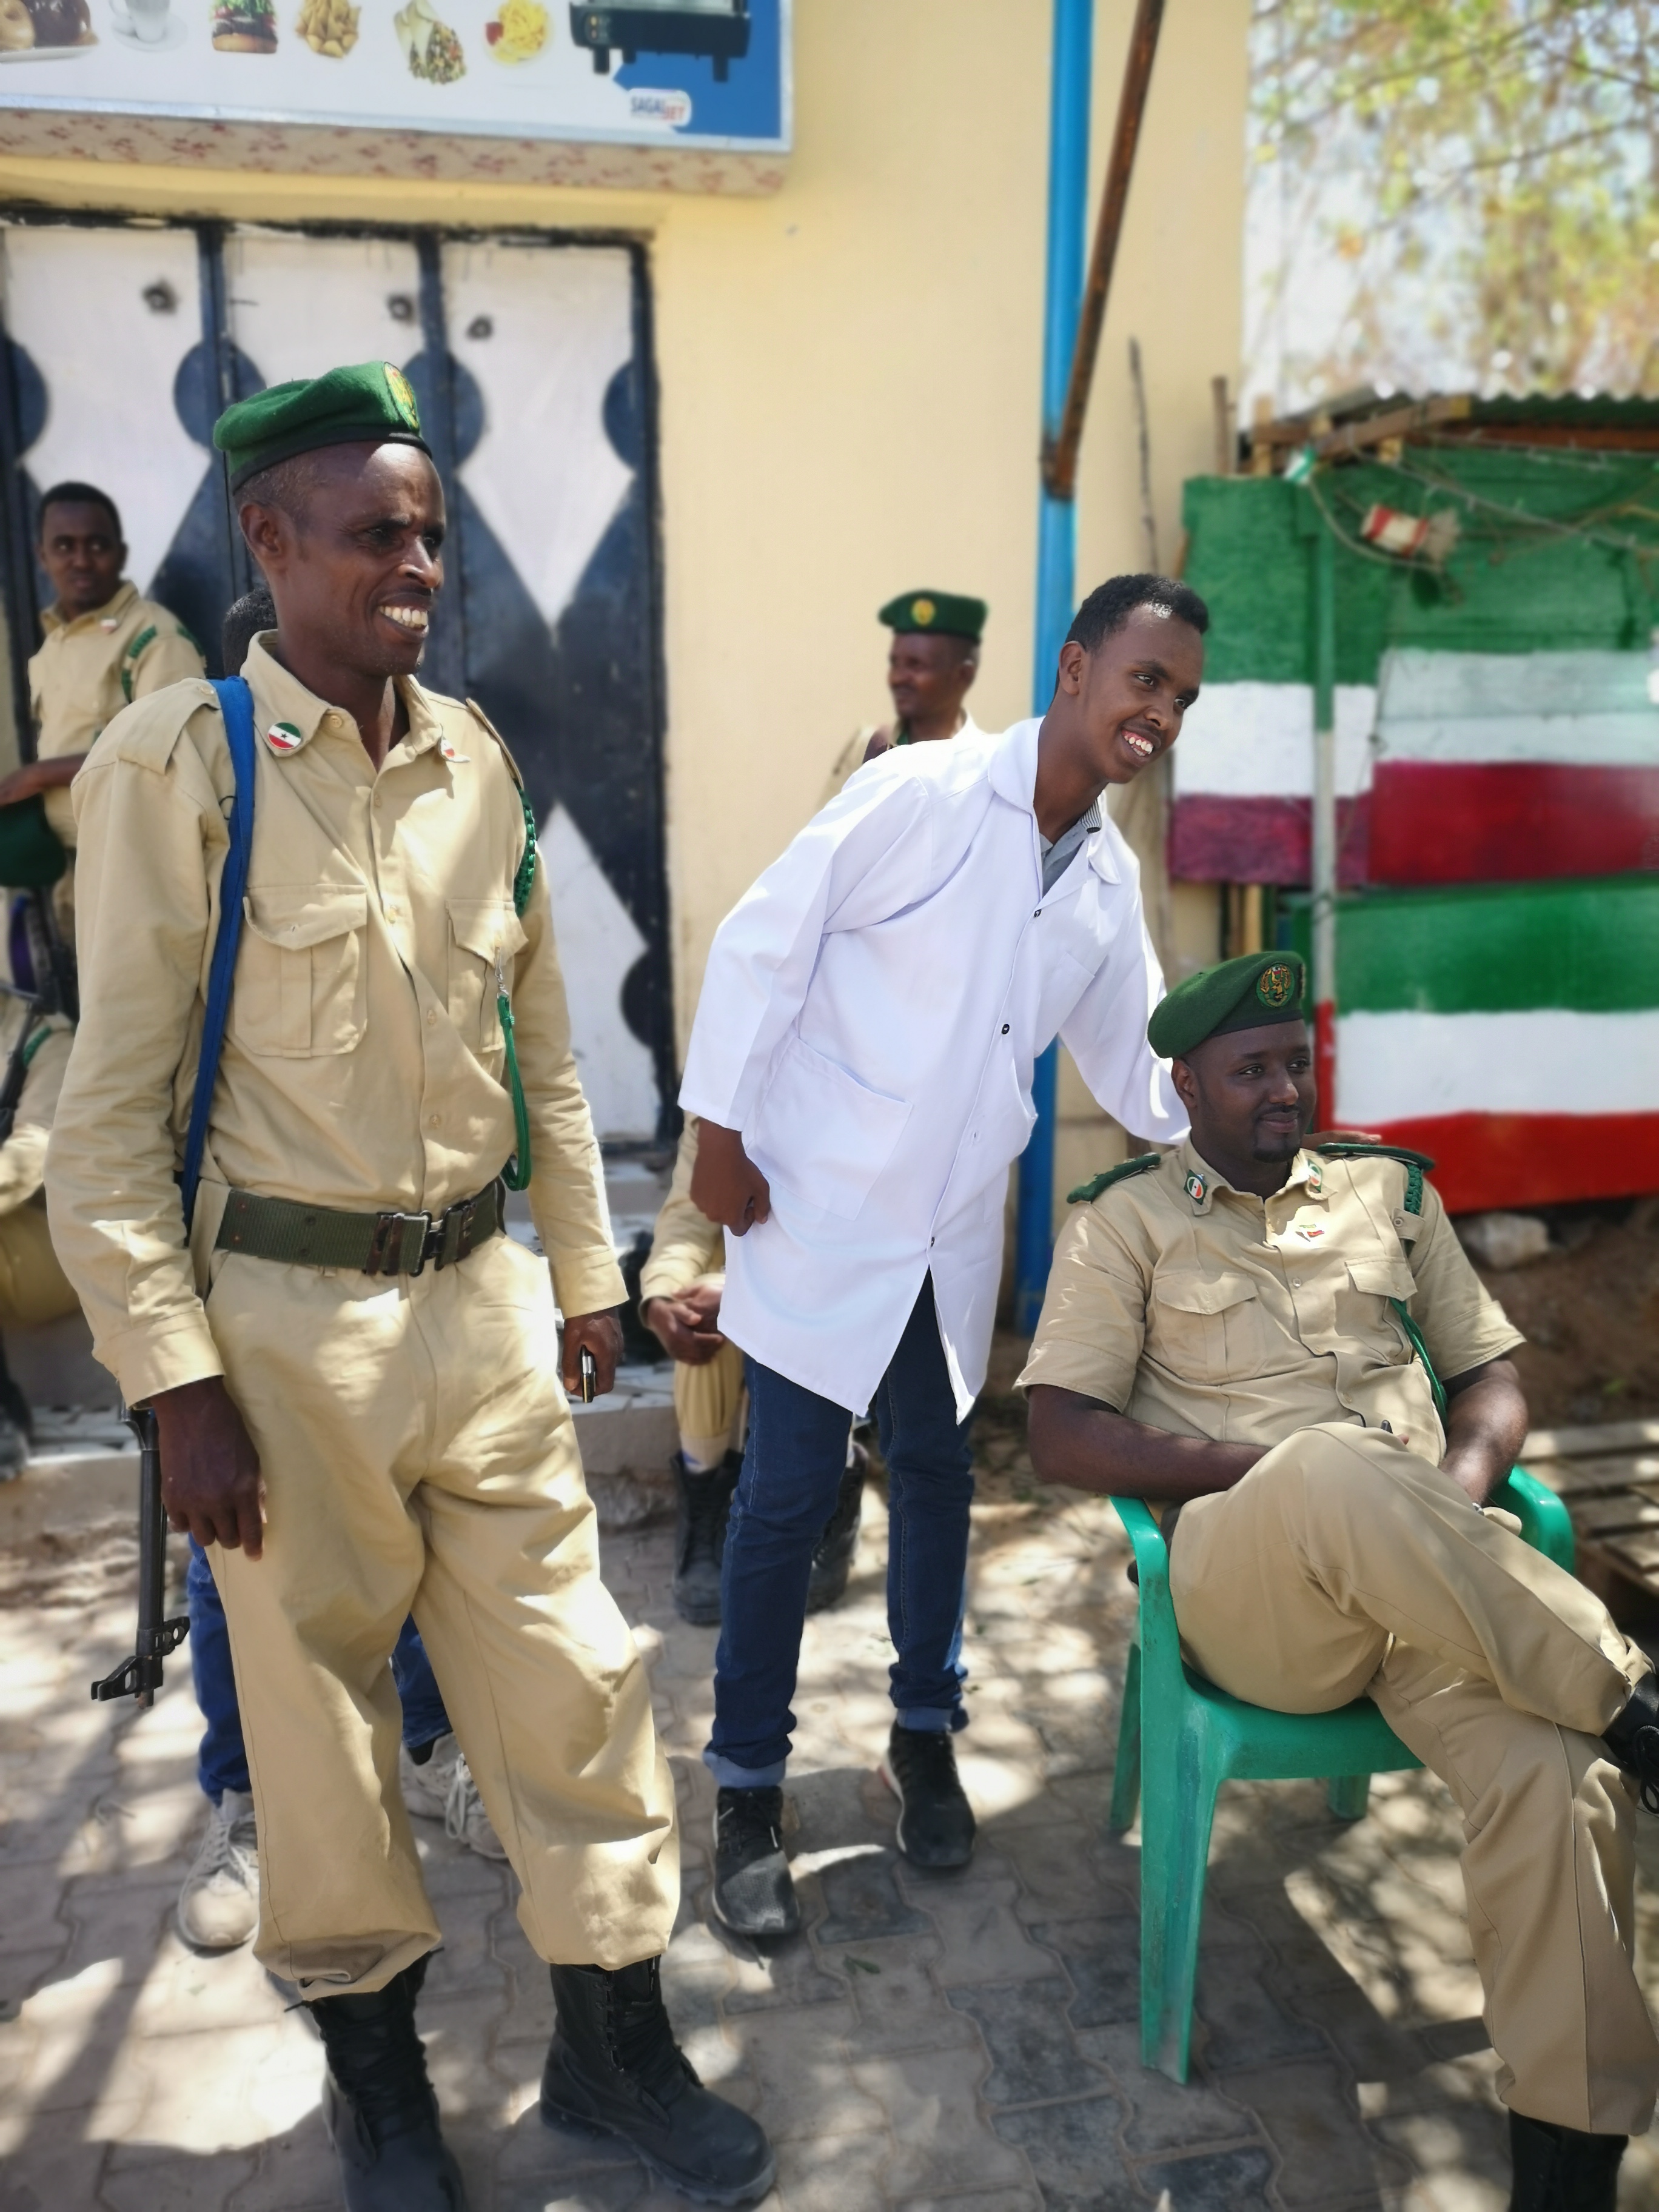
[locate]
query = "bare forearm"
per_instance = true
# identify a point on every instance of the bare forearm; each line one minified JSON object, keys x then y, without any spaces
{"x":1078,"y":1441}
{"x":1484,"y":1425}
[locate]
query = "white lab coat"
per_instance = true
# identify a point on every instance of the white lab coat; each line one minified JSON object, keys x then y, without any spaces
{"x":871,"y":1012}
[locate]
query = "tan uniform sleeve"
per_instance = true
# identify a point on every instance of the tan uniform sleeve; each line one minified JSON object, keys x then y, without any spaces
{"x":152,"y":847}
{"x":685,"y":1244}
{"x":170,"y":657}
{"x":1462,"y":1324}
{"x":23,"y":1155}
{"x":567,"y":1184}
{"x":1093,"y":1322}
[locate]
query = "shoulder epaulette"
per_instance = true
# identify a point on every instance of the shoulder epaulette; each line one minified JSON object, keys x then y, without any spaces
{"x":1418,"y":1164}
{"x":134,"y":646}
{"x":1086,"y":1193}
{"x":479,"y":716}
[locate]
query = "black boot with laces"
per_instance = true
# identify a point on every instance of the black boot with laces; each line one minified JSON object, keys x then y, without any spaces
{"x":705,"y":1506}
{"x":936,"y":1824}
{"x":754,"y":1891}
{"x":1633,"y":1739}
{"x":614,"y":2065}
{"x":378,"y":2105}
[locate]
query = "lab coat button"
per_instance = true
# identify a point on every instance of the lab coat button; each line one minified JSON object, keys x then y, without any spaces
{"x":1004,"y":1028}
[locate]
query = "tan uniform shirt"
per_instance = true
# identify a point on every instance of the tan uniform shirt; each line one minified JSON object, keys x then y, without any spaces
{"x":364,"y":1062}
{"x":23,"y":1155}
{"x":1215,"y":1313}
{"x":686,"y":1246}
{"x":88,"y":669}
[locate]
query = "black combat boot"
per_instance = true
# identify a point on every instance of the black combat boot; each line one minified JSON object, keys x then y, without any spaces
{"x":1561,"y":2170}
{"x":705,"y":1505}
{"x":614,"y":2065}
{"x":754,"y":1890}
{"x":378,"y":2105}
{"x":832,"y":1562}
{"x":1632,"y":1737}
{"x":16,"y":1424}
{"x":936,"y":1824}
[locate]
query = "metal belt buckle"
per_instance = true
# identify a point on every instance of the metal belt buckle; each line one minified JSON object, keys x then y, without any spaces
{"x":391,"y":1231}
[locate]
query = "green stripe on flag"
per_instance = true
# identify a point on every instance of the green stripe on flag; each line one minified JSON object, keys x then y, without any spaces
{"x":1499,"y":948}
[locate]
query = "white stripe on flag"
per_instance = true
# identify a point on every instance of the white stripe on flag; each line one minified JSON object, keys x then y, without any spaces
{"x":1256,"y":741}
{"x":1584,"y":710}
{"x":1549,"y":1060}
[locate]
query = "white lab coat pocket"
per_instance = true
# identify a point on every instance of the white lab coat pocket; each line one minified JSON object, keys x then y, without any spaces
{"x":821,"y":1135}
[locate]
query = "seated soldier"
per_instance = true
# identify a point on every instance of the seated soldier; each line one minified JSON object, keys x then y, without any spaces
{"x":680,"y":1287}
{"x":1225,"y":1335}
{"x":34,"y":1050}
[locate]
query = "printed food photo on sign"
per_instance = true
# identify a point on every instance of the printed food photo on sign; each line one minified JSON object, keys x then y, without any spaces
{"x":430,"y":47}
{"x":245,"y":26}
{"x":328,"y":27}
{"x":40,"y":27}
{"x":518,"y":31}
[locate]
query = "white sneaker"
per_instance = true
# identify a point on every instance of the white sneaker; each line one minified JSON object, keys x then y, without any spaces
{"x":443,"y":1790}
{"x":219,"y":1904}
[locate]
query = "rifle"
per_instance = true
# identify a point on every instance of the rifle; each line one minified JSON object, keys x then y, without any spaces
{"x":22,"y":1052}
{"x":140,"y":1676}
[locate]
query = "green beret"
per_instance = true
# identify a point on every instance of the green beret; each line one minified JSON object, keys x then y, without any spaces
{"x":1250,"y":993}
{"x":369,"y":402}
{"x":943,"y":614}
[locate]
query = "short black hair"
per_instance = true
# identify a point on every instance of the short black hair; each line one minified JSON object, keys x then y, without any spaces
{"x":1110,"y":605}
{"x":80,"y":495}
{"x":244,"y":619}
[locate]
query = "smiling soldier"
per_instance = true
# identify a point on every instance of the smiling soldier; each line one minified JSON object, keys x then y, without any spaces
{"x":352,"y":1364}
{"x":861,"y":1062}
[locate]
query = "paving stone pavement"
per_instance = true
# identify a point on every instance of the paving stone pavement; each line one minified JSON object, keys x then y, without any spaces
{"x":962,"y":2044}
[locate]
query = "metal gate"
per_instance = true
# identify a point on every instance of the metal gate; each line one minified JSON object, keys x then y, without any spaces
{"x":531,"y":357}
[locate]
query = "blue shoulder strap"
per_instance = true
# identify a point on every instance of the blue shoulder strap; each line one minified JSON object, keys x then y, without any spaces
{"x":236,"y":704}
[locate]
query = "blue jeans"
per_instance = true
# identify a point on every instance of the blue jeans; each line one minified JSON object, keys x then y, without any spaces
{"x":221,"y":1762}
{"x":792,"y":1471}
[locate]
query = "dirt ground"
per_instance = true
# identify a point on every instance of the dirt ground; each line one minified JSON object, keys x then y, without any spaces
{"x":1591,"y":1312}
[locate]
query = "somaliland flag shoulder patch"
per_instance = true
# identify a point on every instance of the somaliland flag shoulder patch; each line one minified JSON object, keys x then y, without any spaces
{"x":284,"y":737}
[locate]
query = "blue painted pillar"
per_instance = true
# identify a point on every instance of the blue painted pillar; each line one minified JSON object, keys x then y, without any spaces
{"x":1068,"y":187}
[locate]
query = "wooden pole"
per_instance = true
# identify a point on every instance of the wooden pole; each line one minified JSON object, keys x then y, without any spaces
{"x":1059,"y":451}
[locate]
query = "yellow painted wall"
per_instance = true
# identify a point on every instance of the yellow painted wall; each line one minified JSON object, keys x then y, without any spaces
{"x":849,"y":373}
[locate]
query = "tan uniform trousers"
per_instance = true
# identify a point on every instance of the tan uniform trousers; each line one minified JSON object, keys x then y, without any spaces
{"x":709,"y":1404}
{"x":418,"y":1455}
{"x":34,"y":1287}
{"x":1343,"y":1564}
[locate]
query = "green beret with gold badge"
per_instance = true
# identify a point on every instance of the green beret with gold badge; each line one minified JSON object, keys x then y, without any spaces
{"x":370,"y":403}
{"x":945,"y":614}
{"x":1250,"y":993}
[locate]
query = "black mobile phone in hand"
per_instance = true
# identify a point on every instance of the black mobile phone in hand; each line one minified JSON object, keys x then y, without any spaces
{"x":590,"y":1376}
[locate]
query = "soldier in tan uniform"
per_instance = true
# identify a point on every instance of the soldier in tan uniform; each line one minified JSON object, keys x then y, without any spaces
{"x":680,"y":1287}
{"x":105,"y":646}
{"x":1225,"y":1335}
{"x":931,"y":666}
{"x":354,"y":1370}
{"x":33,"y":1289}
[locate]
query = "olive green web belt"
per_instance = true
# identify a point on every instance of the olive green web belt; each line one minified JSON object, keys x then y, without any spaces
{"x":373,"y":1243}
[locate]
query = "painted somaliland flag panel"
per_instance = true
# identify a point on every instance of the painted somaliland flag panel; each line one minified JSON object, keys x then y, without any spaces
{"x":1511,"y":1034}
{"x":1493,"y":722}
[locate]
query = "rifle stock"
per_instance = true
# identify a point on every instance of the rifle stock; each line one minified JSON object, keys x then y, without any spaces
{"x":140,"y":1676}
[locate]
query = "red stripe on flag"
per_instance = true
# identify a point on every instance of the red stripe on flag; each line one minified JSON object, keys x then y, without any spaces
{"x":1486,"y":1160}
{"x":1435,"y":822}
{"x":1214,"y":840}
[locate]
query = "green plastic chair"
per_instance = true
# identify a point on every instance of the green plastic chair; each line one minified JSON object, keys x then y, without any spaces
{"x":1190,"y":1737}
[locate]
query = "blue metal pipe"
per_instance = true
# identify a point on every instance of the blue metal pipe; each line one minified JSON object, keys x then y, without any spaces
{"x":1068,"y":186}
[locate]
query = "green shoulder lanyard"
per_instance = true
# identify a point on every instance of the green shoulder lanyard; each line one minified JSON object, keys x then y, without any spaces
{"x":516,"y":1173}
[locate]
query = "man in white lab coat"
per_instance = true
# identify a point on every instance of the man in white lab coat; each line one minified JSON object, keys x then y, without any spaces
{"x":861,"y":1063}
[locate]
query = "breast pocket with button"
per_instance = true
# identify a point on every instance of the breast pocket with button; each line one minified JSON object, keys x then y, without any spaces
{"x":1205,"y":1327}
{"x":300,"y":990}
{"x":485,"y":937}
{"x":1362,"y":1307}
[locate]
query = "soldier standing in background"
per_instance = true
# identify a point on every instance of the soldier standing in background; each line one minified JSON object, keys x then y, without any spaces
{"x":930,"y":667}
{"x":105,"y":646}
